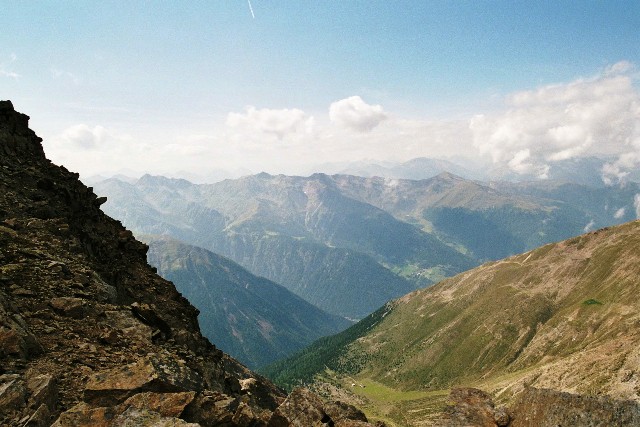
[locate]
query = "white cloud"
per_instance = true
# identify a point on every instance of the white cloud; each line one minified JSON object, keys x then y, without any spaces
{"x":280,"y":122}
{"x":619,"y":213}
{"x":5,"y":68}
{"x":620,"y":67}
{"x":599,"y":116}
{"x":355,"y":114}
{"x":57,"y":74}
{"x":83,"y":137}
{"x":617,"y":171}
{"x":587,"y":228}
{"x":636,"y":204}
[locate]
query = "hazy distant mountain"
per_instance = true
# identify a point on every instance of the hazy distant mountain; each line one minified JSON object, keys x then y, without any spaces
{"x":495,"y":220}
{"x":582,"y":170}
{"x":249,"y":317}
{"x":300,"y":232}
{"x":602,"y":205}
{"x":563,"y":316}
{"x":418,"y":168}
{"x":347,"y":244}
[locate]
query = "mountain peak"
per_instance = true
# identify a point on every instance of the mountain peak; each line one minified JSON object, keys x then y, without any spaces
{"x":448,"y":176}
{"x":17,"y":138}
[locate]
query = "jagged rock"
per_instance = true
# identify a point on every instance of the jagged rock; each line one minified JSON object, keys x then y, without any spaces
{"x":133,"y":417}
{"x":40,"y":418}
{"x":83,"y":415}
{"x":149,"y":374}
{"x":305,"y":409}
{"x":13,"y":393}
{"x":211,"y":408}
{"x":42,"y":391}
{"x":541,"y":407}
{"x":149,"y":315}
{"x":502,"y":417}
{"x":16,"y":339}
{"x":123,"y":323}
{"x":165,"y":404}
{"x":11,"y":342}
{"x":470,"y":407}
{"x":135,"y":412}
{"x":339,"y":411}
{"x":69,"y":306}
{"x":244,"y":416}
{"x":301,"y":409}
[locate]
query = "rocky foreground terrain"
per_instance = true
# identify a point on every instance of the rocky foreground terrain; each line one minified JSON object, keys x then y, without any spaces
{"x":90,"y":335}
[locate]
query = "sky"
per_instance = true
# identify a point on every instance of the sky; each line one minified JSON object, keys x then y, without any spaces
{"x":195,"y":87}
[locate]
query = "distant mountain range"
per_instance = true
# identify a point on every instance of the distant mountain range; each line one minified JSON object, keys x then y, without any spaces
{"x":493,"y":220}
{"x":582,"y":170}
{"x":250,"y":317}
{"x":564,"y":316}
{"x":348,"y":244}
{"x":334,"y":251}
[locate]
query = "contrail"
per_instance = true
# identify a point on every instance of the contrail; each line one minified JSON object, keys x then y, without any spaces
{"x":251,"y":9}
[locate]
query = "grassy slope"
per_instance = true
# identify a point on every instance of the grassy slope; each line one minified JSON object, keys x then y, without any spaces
{"x":564,"y":316}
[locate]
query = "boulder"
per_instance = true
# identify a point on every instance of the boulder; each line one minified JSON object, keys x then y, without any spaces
{"x":83,"y":415}
{"x":469,"y":407}
{"x":165,"y":404}
{"x":214,"y":408}
{"x":301,"y":409}
{"x":42,"y":391}
{"x":541,"y":407}
{"x":16,"y":339}
{"x":153,"y":373}
{"x":69,"y":306}
{"x":133,"y":417}
{"x":141,"y":410}
{"x":123,"y":323}
{"x":13,"y":393}
{"x":339,"y":411}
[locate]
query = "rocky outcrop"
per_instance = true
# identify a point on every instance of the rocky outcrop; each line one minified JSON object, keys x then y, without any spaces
{"x":538,"y":408}
{"x":473,"y":407}
{"x":305,"y":409}
{"x":89,"y":334}
{"x":541,"y":407}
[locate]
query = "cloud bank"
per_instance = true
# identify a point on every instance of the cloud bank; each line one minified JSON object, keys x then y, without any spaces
{"x":597,"y":116}
{"x":526,"y":134}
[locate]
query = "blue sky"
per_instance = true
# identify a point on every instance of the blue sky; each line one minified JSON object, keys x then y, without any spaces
{"x":169,"y":86}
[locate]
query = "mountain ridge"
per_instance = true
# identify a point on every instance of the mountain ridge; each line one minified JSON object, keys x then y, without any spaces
{"x":251,"y":318}
{"x":298,"y":232}
{"x":563,"y":316}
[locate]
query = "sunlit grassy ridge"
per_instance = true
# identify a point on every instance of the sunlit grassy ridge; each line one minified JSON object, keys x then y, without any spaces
{"x":564,"y":316}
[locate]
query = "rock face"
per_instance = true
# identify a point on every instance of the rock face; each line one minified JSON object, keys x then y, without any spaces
{"x":89,"y":334}
{"x":538,"y":408}
{"x":541,"y":407}
{"x":304,"y":409}
{"x":473,"y":407}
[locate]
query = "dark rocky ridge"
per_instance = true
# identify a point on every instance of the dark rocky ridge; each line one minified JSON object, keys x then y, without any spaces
{"x":88,"y":330}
